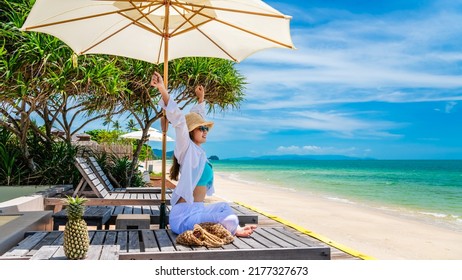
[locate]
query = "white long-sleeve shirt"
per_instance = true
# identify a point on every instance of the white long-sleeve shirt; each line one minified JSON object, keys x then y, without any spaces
{"x":191,"y":157}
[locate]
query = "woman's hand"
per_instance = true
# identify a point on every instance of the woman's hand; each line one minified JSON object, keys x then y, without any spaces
{"x":200,"y":93}
{"x":158,"y":82}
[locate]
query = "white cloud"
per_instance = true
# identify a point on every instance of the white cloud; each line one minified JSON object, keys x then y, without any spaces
{"x":316,"y":150}
{"x":360,"y":58}
{"x":252,"y":126}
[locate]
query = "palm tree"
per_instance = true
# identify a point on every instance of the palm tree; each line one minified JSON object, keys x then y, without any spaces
{"x":131,"y":125}
{"x":116,"y":125}
{"x":39,"y":76}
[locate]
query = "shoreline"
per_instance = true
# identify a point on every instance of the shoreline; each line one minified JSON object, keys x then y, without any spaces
{"x":380,"y":234}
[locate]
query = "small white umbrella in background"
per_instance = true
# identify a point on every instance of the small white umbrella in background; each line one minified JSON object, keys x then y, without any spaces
{"x":157,"y":31}
{"x":153,"y":135}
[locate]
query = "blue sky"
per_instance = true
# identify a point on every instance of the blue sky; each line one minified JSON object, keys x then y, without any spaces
{"x":380,"y":79}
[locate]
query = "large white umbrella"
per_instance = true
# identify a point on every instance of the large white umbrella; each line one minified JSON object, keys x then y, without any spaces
{"x":153,"y":135}
{"x":159,"y":30}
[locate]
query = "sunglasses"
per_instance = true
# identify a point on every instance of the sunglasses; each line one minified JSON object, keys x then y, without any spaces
{"x":203,"y":128}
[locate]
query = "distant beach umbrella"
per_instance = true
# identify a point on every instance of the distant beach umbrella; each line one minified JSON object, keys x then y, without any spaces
{"x":159,"y":30}
{"x":153,"y":135}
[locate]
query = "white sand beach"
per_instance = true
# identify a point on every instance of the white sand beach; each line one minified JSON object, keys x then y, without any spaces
{"x":380,"y":235}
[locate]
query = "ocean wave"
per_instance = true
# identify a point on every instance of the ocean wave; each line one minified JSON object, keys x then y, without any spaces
{"x":338,"y":199}
{"x":237,"y":177}
{"x":437,"y":215}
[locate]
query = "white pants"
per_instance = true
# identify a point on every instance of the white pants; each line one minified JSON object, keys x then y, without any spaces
{"x":184,"y":216}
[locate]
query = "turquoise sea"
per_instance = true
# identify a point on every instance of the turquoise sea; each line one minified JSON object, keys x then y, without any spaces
{"x":423,"y":189}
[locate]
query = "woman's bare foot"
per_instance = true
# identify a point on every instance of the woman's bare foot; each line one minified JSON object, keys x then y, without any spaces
{"x":245,"y":231}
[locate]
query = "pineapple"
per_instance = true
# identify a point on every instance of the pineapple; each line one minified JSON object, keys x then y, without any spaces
{"x":76,"y":240}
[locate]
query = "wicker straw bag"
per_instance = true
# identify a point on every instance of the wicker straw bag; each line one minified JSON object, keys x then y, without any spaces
{"x":205,"y":234}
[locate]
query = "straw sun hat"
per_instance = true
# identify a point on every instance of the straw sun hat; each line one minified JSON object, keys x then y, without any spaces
{"x":194,"y":120}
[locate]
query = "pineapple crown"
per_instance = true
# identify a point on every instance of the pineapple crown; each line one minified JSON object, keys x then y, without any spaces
{"x":76,"y":200}
{"x":76,"y":207}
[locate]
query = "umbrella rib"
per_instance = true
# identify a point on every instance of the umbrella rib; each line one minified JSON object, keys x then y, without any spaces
{"x":194,"y":26}
{"x":135,"y":22}
{"x":158,"y":32}
{"x":81,"y":18}
{"x":148,"y":19}
{"x":240,"y":28}
{"x":255,"y":34}
{"x":186,"y":20}
{"x":110,"y":35}
{"x":238,"y":11}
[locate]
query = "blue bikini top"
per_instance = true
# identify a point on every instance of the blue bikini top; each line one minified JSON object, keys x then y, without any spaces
{"x":207,"y":176}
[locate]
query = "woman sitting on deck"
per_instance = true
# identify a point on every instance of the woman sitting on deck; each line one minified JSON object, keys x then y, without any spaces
{"x":196,"y":180}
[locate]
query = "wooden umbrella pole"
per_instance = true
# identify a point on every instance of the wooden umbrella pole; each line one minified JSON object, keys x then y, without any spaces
{"x":162,"y":221}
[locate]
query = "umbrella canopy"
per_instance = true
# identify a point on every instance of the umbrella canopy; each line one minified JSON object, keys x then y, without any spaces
{"x":159,"y":30}
{"x":232,"y":29}
{"x":153,"y":135}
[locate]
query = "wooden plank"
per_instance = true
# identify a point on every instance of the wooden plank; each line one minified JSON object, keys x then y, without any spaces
{"x":91,"y":233}
{"x":277,"y":240}
{"x":137,"y":210}
{"x":151,"y":210}
{"x":45,"y":252}
{"x":94,"y":252}
{"x":59,"y":240}
{"x":117,"y":210}
{"x":111,"y":237}
{"x":306,"y":241}
{"x":128,"y":210}
{"x":252,"y":242}
{"x":110,"y":252}
{"x":230,"y":246}
{"x":149,"y":241}
{"x":25,"y":245}
{"x":122,"y":240}
{"x":48,"y":239}
{"x":178,"y":247}
{"x":98,"y":238}
{"x":258,"y":237}
{"x":285,"y":235}
{"x":133,"y":241}
{"x":238,"y":244}
{"x":165,"y":243}
{"x":245,"y":254}
{"x":59,"y":254}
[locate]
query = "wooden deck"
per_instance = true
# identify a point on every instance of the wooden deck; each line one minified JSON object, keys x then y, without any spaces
{"x":266,"y":243}
{"x":126,"y":250}
{"x":105,"y":249}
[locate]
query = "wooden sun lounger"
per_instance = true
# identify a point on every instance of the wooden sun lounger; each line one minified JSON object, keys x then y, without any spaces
{"x":98,"y":171}
{"x":266,"y":243}
{"x":102,"y":196}
{"x":89,"y":178}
